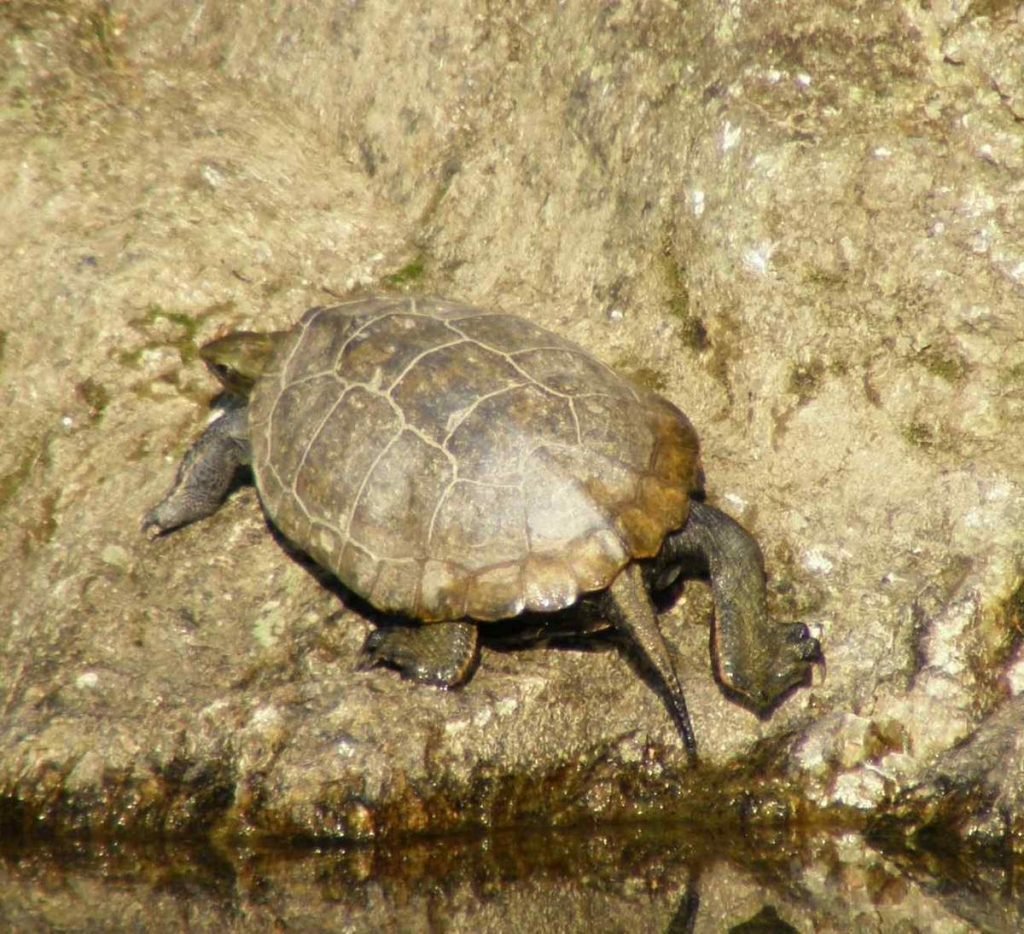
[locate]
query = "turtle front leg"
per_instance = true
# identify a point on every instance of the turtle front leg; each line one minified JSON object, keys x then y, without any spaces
{"x":204,"y":474}
{"x":442,"y":654}
{"x":758,"y":659}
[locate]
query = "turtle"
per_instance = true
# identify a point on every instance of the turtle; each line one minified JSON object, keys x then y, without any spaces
{"x":456,"y":466}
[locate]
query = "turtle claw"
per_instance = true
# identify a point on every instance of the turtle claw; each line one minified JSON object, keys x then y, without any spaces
{"x":799,"y":636}
{"x":155,"y":522}
{"x":150,"y":527}
{"x":382,"y":647}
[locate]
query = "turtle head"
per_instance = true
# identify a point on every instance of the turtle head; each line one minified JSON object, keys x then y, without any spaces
{"x":239,"y":359}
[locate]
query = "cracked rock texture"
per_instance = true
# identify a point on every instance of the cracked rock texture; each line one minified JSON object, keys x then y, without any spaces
{"x":802,"y":223}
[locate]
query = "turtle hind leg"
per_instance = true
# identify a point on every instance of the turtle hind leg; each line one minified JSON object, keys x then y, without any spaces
{"x":628,"y":605}
{"x":758,"y":659}
{"x":441,"y":654}
{"x":204,"y":474}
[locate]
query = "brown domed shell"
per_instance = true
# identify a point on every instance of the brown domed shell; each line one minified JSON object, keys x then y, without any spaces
{"x":448,"y":462}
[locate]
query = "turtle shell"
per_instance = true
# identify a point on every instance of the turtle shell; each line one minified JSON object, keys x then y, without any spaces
{"x":449,"y":462}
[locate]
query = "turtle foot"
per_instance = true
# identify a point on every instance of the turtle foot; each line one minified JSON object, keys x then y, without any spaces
{"x":441,"y":654}
{"x":172,"y":512}
{"x":782,"y":662}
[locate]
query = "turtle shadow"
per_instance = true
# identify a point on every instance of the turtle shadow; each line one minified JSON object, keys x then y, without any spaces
{"x":350,"y":601}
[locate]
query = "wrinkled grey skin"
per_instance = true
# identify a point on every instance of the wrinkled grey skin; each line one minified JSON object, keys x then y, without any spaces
{"x":758,"y":661}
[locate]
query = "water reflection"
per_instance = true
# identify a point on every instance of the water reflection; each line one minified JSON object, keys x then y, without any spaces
{"x":673,"y":879}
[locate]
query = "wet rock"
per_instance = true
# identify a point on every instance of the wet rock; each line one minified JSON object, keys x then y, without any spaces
{"x":971,"y":796}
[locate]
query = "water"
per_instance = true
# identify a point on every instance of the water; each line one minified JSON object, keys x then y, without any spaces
{"x":638,"y":878}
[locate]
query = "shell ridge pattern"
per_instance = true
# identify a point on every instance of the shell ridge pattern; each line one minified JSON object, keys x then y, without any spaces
{"x":312,"y":440}
{"x":379,"y":315}
{"x":487,"y":484}
{"x":532,"y":380}
{"x":610,"y":372}
{"x":528,"y":380}
{"x":349,"y":386}
{"x":426,"y":439}
{"x":575,"y":420}
{"x":509,"y":356}
{"x":362,"y":490}
{"x":575,"y":351}
{"x":374,"y":390}
{"x":467,"y":412}
{"x":579,"y":352}
{"x":590,"y":358}
{"x":311,"y":377}
{"x":461,"y":338}
{"x":576,"y":485}
{"x":442,"y":499}
{"x":547,"y":445}
{"x":372,"y":319}
{"x":281,"y":384}
{"x":405,"y":425}
{"x":426,"y":353}
{"x":398,"y":410}
{"x":271,"y":469}
{"x":407,"y":311}
{"x":357,"y":499}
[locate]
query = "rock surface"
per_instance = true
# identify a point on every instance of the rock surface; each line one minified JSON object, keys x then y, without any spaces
{"x":802,"y":223}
